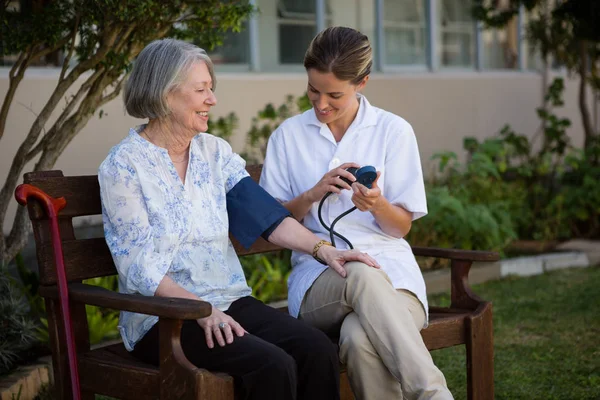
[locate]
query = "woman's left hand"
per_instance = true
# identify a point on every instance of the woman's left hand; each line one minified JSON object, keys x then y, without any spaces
{"x":335,"y":258}
{"x":366,"y":199}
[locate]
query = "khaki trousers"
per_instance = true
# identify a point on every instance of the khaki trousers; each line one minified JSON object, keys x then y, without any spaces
{"x":379,"y":329}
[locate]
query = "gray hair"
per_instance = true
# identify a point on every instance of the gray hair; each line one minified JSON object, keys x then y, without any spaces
{"x":159,"y":68}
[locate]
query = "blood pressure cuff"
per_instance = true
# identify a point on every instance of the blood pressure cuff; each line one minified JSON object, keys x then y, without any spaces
{"x":253,"y":212}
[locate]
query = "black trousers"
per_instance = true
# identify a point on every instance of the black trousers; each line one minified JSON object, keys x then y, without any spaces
{"x":280,"y":358}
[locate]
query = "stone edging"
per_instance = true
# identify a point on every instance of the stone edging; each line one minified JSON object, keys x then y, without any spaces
{"x":439,"y":281}
{"x":26,"y":379}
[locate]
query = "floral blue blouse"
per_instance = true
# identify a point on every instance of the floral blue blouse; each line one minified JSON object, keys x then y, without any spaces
{"x":156,"y":225}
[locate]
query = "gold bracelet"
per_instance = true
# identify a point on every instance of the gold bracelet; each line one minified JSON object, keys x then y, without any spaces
{"x":320,"y":244}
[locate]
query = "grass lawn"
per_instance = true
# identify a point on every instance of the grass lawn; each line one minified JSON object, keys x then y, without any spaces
{"x":546,"y":334}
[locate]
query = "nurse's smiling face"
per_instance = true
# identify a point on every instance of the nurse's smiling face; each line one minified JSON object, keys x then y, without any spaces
{"x":334,"y":100}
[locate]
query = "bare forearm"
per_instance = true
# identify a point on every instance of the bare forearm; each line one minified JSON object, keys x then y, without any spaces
{"x":300,"y":206}
{"x":292,"y":235}
{"x":168,"y":288}
{"x":393,"y":220}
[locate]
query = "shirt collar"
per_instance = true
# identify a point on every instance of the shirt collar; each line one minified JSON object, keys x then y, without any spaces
{"x":134,"y":133}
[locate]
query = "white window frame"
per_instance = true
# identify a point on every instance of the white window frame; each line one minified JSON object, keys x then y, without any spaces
{"x":416,"y":27}
{"x":319,"y":20}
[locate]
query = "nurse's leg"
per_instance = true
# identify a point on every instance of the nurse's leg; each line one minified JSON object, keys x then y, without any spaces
{"x":369,"y":377}
{"x":392,"y":320}
{"x":323,"y":305}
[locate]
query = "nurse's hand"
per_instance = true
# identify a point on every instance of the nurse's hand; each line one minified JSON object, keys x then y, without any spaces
{"x":366,"y":199}
{"x":331,"y":182}
{"x":336,"y":259}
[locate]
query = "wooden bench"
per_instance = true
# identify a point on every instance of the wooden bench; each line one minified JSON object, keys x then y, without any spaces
{"x":113,"y":372}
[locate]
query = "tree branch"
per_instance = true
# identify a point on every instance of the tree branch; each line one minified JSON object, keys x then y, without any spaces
{"x":18,"y":63}
{"x":123,"y":38}
{"x":105,"y":46}
{"x":75,"y":99}
{"x":34,"y":132}
{"x":17,"y":72}
{"x":53,"y":144}
{"x":71,"y":127}
{"x":124,"y":41}
{"x":67,"y":59}
{"x":65,"y":113}
{"x":44,"y":51}
{"x":21,"y":156}
{"x":105,"y":99}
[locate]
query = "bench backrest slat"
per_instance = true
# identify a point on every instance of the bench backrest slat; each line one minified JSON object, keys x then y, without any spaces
{"x":84,"y":259}
{"x":87,"y":258}
{"x":82,"y":194}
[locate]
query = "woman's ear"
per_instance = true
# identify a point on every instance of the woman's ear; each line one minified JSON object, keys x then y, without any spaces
{"x":363,"y":83}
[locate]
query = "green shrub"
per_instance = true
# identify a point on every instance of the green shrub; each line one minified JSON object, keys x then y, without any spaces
{"x":223,"y":127}
{"x":267,"y":275}
{"x":102,"y":323}
{"x":579,"y":192}
{"x":553,"y":191}
{"x":46,"y":392}
{"x":456,"y":222}
{"x":267,"y":120}
{"x":470,"y":206}
{"x":17,"y":327}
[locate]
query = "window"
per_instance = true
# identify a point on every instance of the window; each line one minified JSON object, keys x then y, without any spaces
{"x":405,"y":33}
{"x":358,"y":14}
{"x":235,"y":48}
{"x":456,"y":37}
{"x":501,"y":46}
{"x":297,"y":26}
{"x":533,"y":56}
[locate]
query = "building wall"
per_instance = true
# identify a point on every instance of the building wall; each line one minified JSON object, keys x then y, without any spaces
{"x":443,"y":108}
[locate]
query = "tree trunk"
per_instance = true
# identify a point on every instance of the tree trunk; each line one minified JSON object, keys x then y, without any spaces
{"x":546,"y":67}
{"x":586,"y":119}
{"x":79,"y":109}
{"x":53,"y":148}
{"x":62,"y":132}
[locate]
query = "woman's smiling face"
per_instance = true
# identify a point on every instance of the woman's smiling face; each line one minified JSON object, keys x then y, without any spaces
{"x":333,"y":100}
{"x":192,"y":99}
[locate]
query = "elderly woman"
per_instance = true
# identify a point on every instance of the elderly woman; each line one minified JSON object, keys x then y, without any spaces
{"x":170,"y":194}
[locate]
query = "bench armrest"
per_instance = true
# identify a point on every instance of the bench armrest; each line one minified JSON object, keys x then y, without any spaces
{"x":461,"y":294}
{"x":164,"y":307}
{"x":456,"y":254}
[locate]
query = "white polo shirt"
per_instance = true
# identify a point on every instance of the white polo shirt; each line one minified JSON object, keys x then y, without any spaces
{"x":303,"y":149}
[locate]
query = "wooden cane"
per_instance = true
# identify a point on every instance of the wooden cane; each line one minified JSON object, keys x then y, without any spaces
{"x":52,"y":207}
